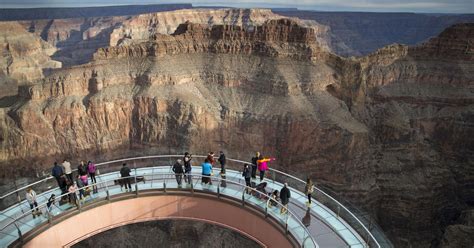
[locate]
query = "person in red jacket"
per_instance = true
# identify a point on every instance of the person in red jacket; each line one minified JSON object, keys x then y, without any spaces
{"x":262,"y":165}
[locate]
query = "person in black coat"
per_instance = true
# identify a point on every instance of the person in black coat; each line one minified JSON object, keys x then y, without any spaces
{"x":82,"y":168}
{"x":246,"y":174}
{"x":187,"y":168}
{"x":178,"y":171}
{"x":285,"y":198}
{"x":125,"y":174}
{"x":222,"y":161}
{"x":254,"y":165}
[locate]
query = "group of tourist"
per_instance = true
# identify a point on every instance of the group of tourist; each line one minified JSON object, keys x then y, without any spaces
{"x":31,"y":199}
{"x":182,"y":168}
{"x":260,"y":163}
{"x":68,"y":183}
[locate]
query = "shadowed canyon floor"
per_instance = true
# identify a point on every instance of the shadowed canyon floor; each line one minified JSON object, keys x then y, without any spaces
{"x":169,"y":233}
{"x":389,"y":131}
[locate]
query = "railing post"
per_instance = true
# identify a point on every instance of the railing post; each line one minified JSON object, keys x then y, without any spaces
{"x":367,"y":241}
{"x":135,"y":176}
{"x":266,"y":207}
{"x":136,"y":186}
{"x":243,"y":196}
{"x":218,"y":191}
{"x":164,"y":187}
{"x":18,"y":197}
{"x":338,"y":210}
{"x":49,"y":214}
{"x":79,"y":206}
{"x":20,"y":235}
{"x":152,"y":176}
{"x":107,"y":189}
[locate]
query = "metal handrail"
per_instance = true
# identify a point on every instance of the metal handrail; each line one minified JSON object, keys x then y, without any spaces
{"x":245,"y":189}
{"x":229,"y":159}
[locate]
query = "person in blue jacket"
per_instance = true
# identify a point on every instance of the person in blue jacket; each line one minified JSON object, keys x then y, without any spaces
{"x":57,"y":172}
{"x":206,"y":171}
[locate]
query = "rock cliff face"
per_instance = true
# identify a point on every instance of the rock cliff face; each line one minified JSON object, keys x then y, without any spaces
{"x":146,"y":26}
{"x":388,"y":131}
{"x":461,"y":233}
{"x":39,"y":46}
{"x":277,"y":38}
{"x":73,"y":41}
{"x":417,"y":103}
{"x":23,"y":58}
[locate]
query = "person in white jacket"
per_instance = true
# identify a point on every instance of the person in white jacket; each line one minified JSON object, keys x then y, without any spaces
{"x":31,"y":198}
{"x":67,"y":170}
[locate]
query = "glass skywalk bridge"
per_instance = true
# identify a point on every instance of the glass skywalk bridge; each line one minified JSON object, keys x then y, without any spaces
{"x":327,"y":223}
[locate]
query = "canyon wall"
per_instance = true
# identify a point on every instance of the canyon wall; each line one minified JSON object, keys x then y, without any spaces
{"x":389,"y":132}
{"x":23,"y":58}
{"x":417,"y":103}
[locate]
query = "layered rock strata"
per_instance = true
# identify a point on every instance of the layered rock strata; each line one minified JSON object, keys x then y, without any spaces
{"x":23,"y":57}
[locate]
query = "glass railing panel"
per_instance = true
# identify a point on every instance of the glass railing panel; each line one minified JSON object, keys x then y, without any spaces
{"x":9,"y":235}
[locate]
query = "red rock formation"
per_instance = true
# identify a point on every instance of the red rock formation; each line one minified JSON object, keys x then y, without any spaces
{"x":23,"y":57}
{"x":275,"y":38}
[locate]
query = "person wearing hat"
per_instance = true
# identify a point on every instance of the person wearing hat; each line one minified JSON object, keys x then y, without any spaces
{"x":178,"y":171}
